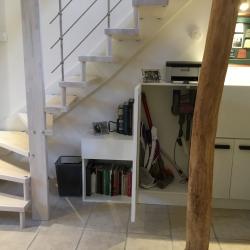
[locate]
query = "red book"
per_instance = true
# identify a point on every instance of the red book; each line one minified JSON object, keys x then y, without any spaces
{"x":130,"y":184}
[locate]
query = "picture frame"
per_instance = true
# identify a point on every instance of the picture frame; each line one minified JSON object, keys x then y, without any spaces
{"x":151,"y":75}
{"x":238,"y":40}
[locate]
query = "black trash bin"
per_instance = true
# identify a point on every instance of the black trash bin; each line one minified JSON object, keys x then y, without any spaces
{"x":69,"y":175}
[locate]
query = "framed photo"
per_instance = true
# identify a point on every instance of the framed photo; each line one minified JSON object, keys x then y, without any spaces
{"x":238,"y":41}
{"x":151,"y":75}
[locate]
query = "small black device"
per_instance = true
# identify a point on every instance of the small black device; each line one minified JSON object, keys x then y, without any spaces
{"x":124,"y":122}
{"x":100,"y":128}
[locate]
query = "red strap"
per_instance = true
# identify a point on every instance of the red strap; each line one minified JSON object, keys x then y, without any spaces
{"x":146,"y":109}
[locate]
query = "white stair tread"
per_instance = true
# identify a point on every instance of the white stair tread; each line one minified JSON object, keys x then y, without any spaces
{"x":17,"y":142}
{"x":75,"y":82}
{"x":123,"y":33}
{"x":107,"y":59}
{"x":149,"y":2}
{"x":12,"y":203}
{"x":10,"y":172}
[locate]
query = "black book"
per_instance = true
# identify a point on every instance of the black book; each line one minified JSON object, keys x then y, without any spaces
{"x":99,"y":181}
{"x":88,"y":181}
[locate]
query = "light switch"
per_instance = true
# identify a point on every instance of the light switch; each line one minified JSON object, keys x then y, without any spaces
{"x":3,"y":36}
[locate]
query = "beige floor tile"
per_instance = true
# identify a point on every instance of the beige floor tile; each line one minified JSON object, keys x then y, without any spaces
{"x":95,"y":240}
{"x":57,"y":236}
{"x":178,"y":223}
{"x":12,"y":238}
{"x":235,"y":245}
{"x":63,"y":213}
{"x":109,"y":218}
{"x":180,"y":244}
{"x":231,"y":213}
{"x":151,"y":219}
{"x":232,"y":228}
{"x":148,"y":242}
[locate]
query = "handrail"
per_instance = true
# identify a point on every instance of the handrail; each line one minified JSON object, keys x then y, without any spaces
{"x":58,"y":14}
{"x":74,"y":23}
{"x":92,"y":30}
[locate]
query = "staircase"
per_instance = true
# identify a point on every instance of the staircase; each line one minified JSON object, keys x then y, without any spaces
{"x":16,"y":142}
{"x":95,"y":71}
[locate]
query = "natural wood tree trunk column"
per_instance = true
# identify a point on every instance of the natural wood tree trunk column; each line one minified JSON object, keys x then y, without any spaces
{"x":211,"y":82}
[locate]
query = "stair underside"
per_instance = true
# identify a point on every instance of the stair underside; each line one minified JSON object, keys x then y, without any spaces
{"x":107,"y":59}
{"x":75,"y":82}
{"x":10,"y":172}
{"x":17,"y":142}
{"x":123,"y":34}
{"x":150,"y":2}
{"x":54,"y":103}
{"x":12,"y":203}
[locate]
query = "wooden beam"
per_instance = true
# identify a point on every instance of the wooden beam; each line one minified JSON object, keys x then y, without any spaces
{"x":211,"y":82}
{"x":35,"y":95}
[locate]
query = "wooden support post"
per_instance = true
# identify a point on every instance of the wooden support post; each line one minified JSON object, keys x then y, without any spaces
{"x":212,"y":77}
{"x":35,"y":95}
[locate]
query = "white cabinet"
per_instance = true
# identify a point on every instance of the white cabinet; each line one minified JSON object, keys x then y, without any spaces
{"x":234,"y":115}
{"x":223,"y":160}
{"x":240,"y":181}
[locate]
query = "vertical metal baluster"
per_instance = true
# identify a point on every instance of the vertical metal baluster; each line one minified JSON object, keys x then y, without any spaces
{"x":62,"y":52}
{"x":109,"y":16}
{"x":109,"y":42}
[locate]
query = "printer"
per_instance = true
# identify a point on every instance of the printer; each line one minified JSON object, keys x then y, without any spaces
{"x":182,"y":71}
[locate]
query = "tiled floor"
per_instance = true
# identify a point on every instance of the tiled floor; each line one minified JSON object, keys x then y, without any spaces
{"x":75,"y":225}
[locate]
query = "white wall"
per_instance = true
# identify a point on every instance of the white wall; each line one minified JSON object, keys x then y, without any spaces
{"x":15,"y":88}
{"x":4,"y":104}
{"x":173,"y":43}
{"x":50,"y":33}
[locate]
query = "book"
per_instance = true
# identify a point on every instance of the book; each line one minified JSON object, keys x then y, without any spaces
{"x":88,"y":180}
{"x":93,"y":182}
{"x":99,"y":180}
{"x":107,"y":179}
{"x":129,"y":193}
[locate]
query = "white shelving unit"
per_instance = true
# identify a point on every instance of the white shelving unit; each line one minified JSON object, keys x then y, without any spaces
{"x":231,"y":185}
{"x":115,"y":147}
{"x":176,"y":192}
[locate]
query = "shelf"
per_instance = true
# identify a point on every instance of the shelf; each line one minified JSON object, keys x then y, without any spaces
{"x":108,"y":199}
{"x":169,"y":84}
{"x":113,"y":146}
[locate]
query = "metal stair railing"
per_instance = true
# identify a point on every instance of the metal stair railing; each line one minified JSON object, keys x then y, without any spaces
{"x":60,"y":40}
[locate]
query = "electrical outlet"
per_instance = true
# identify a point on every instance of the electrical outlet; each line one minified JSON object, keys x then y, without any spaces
{"x":3,"y":36}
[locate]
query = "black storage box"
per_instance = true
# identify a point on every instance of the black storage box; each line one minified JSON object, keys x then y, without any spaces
{"x":69,"y":175}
